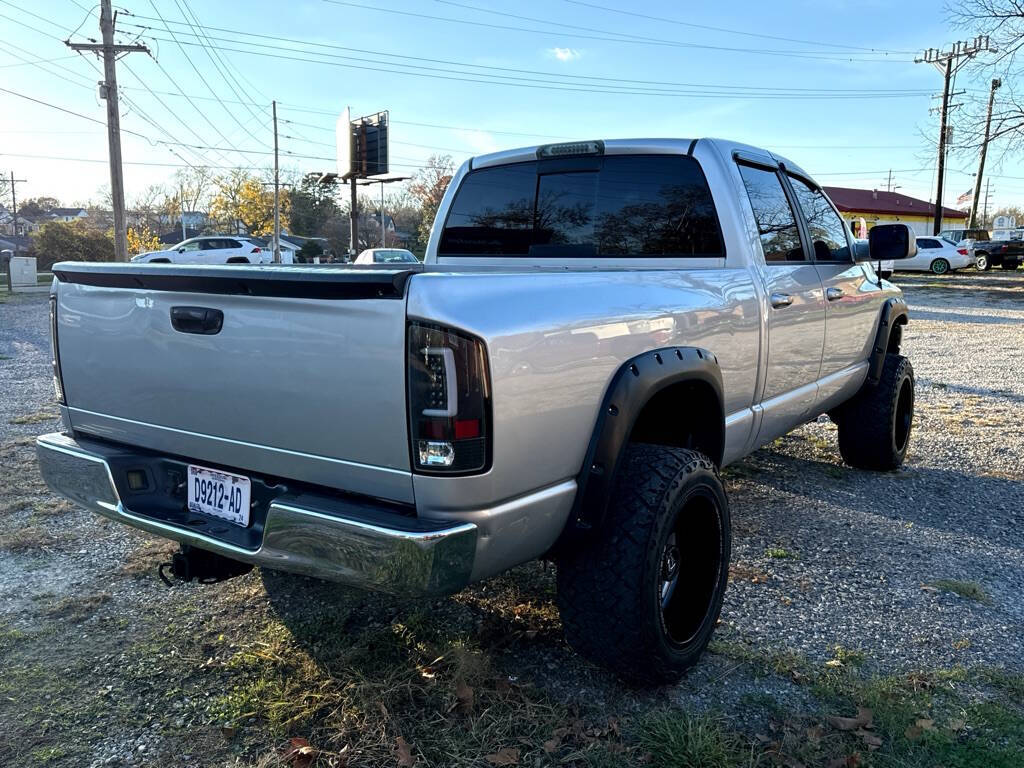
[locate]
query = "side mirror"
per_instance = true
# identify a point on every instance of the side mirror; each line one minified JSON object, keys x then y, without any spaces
{"x":888,"y":242}
{"x":181,"y":250}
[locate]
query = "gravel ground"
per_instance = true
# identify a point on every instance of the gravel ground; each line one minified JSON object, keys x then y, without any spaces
{"x":829,"y":564}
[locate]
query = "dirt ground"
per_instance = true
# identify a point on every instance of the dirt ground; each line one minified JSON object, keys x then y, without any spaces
{"x":871,"y":620}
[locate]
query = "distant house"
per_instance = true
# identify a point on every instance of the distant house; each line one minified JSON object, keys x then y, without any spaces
{"x":67,"y":215}
{"x":880,"y":207}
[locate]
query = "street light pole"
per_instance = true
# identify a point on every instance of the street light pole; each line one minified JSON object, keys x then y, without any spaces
{"x":277,"y":195}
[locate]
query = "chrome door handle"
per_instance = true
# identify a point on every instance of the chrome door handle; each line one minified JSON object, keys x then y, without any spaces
{"x":781,"y":300}
{"x":833,"y":294}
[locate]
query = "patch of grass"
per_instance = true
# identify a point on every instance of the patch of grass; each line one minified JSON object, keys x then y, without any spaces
{"x":34,"y":418}
{"x":25,"y":539}
{"x":78,"y":607}
{"x":971,"y":590}
{"x":780,"y":553}
{"x":145,"y":559}
{"x":48,"y":754}
{"x":674,"y":739}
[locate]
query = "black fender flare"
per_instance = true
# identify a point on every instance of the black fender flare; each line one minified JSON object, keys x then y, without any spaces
{"x":634,"y":384}
{"x":894,"y":315}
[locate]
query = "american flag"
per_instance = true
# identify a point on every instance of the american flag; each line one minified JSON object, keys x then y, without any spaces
{"x":966,"y":197}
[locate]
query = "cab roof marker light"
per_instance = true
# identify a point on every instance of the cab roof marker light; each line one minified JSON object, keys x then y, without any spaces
{"x":571,"y":149}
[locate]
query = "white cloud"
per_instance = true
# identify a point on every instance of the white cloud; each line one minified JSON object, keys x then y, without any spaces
{"x":565,"y":54}
{"x":480,"y":142}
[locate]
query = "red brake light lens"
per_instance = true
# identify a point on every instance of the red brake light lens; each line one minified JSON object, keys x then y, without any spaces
{"x":962,"y":251}
{"x":255,"y":250}
{"x":449,"y":401}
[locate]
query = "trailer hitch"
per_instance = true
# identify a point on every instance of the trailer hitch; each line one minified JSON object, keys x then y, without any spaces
{"x":194,"y":564}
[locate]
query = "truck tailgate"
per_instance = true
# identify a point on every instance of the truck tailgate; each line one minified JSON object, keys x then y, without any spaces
{"x":304,"y":380}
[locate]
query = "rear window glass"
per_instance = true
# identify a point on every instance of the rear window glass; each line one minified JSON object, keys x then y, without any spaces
{"x":614,"y":206}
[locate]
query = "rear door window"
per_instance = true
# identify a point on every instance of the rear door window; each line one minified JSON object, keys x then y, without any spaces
{"x":617,"y":206}
{"x":776,"y":224}
{"x":924,"y":242}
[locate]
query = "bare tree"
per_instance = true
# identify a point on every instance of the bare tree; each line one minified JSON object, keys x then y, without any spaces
{"x":428,"y":187}
{"x":1003,"y":22}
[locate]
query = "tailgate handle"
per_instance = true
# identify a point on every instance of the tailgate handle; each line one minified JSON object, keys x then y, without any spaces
{"x":200,"y":320}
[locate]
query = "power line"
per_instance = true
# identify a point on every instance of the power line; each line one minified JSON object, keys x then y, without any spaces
{"x":215,"y":58}
{"x":548,"y":76}
{"x":642,"y":41}
{"x":662,"y":19}
{"x":198,"y":74}
{"x":544,"y":85}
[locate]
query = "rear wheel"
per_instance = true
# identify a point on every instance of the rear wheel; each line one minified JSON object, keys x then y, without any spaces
{"x":940,"y":266}
{"x":643,"y":597}
{"x":874,"y":427}
{"x":981,"y":261}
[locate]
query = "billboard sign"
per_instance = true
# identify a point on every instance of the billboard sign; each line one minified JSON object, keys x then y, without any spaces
{"x":362,"y":145}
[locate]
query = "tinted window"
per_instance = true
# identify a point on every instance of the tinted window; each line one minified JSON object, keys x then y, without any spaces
{"x":780,"y":237}
{"x":189,"y":245}
{"x":616,"y":206}
{"x":492,"y":212}
{"x":828,"y":235}
{"x":230,"y":244}
{"x":924,"y":242}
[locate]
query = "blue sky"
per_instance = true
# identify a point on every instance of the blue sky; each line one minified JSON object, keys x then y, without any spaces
{"x":582,"y":68}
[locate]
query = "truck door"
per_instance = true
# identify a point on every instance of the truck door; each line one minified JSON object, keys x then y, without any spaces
{"x":851,"y":297}
{"x":795,"y":305}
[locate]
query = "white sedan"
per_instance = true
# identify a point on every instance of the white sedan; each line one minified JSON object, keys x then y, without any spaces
{"x":209,"y":249}
{"x":936,"y":255}
{"x":386,"y":256}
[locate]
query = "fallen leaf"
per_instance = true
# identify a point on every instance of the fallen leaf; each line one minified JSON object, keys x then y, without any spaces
{"x":551,"y":745}
{"x":228,"y":731}
{"x":833,"y":663}
{"x":913,"y":732}
{"x":464,"y":694}
{"x":403,"y":753}
{"x":504,"y":756}
{"x":862,"y":720}
{"x":613,"y":725}
{"x":300,"y":753}
{"x":815,"y":734}
{"x":502,"y":685}
{"x":846,"y":762}
{"x":957,"y":725}
{"x":925,"y":724}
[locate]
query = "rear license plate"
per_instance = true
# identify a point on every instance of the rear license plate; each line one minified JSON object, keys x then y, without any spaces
{"x":219,"y":494}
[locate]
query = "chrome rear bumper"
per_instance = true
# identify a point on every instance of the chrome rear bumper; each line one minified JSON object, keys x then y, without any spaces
{"x":405,"y":556}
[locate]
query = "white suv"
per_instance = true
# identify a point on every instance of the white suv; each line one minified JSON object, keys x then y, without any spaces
{"x":211,"y":249}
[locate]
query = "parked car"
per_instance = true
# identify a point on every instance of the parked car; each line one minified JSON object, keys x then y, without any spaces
{"x":209,"y":249}
{"x":598,"y":328}
{"x":960,"y":236}
{"x":937,"y":255}
{"x":1006,"y":251}
{"x":386,"y":256}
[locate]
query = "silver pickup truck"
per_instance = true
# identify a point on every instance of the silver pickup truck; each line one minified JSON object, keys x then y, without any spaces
{"x":597,"y":328}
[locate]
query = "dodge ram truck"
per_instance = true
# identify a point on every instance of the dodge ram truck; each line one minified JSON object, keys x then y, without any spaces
{"x":597,"y":329}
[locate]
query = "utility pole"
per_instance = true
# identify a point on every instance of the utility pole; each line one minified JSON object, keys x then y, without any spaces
{"x":108,"y":91}
{"x":996,"y":83}
{"x":949,"y":63}
{"x":354,"y":218}
{"x":277,"y":195}
{"x":181,"y":205}
{"x":888,"y":184}
{"x":14,"y":202}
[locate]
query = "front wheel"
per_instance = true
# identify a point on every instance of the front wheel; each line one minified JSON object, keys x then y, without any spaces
{"x":981,"y":261}
{"x":874,"y":427}
{"x":940,"y":266}
{"x":643,"y":596}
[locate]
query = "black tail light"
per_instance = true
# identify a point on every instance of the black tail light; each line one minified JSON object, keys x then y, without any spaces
{"x":58,"y":381}
{"x":449,"y":401}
